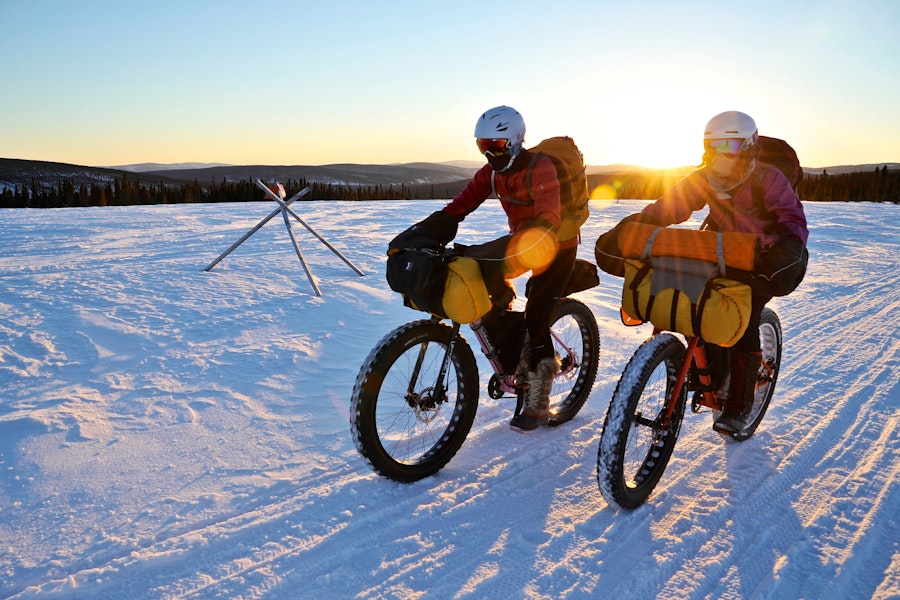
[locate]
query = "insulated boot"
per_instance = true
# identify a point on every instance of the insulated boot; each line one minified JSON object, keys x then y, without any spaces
{"x":522,"y":366}
{"x":741,"y":391}
{"x":536,"y":409}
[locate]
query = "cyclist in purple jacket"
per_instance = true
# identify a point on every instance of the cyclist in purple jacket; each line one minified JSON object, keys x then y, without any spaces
{"x":744,"y":195}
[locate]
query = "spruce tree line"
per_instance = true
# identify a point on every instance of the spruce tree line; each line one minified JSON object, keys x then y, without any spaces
{"x":127,"y":191}
{"x":880,"y":185}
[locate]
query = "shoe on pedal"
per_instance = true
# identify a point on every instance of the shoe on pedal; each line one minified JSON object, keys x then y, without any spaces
{"x":741,"y":389}
{"x":536,"y":412}
{"x":729,"y":423}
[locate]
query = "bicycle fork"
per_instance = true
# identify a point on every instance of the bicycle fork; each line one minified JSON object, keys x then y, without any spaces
{"x":439,"y":391}
{"x":695,"y":356}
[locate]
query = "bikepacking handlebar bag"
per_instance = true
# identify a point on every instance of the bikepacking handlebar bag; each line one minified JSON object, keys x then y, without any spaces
{"x":446,"y":286}
{"x":674,"y":278}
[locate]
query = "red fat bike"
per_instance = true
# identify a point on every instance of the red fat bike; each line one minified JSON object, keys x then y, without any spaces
{"x":649,"y":402}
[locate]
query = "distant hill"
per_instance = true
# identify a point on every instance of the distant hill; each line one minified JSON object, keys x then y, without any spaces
{"x":340,"y":174}
{"x":144,"y":167}
{"x":843,"y":169}
{"x":19,"y":172}
{"x":447,"y":177}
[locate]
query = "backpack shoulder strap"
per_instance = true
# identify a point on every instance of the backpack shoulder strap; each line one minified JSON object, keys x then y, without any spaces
{"x":756,"y":185}
{"x":534,"y":159}
{"x":530,"y":172}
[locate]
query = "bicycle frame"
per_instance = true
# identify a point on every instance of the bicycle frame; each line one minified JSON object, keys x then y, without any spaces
{"x":695,"y":356}
{"x":507,"y":381}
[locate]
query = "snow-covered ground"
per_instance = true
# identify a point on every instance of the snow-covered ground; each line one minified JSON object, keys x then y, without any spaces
{"x":172,"y":433}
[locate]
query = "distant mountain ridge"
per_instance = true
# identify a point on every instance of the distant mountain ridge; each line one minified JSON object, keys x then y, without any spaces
{"x":337,"y":174}
{"x":19,"y":172}
{"x":464,"y":167}
{"x":144,"y":167}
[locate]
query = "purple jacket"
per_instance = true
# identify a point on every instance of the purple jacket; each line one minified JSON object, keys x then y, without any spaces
{"x":779,"y":215}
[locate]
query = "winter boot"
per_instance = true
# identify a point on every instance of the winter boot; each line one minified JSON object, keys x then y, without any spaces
{"x":741,"y":391}
{"x":522,"y":367}
{"x":536,"y":409}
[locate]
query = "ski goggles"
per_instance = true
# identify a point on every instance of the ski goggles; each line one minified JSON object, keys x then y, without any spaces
{"x":731,"y":146}
{"x":493,"y":147}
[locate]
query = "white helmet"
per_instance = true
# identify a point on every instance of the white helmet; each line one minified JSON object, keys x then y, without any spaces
{"x":732,"y":125}
{"x":502,"y":122}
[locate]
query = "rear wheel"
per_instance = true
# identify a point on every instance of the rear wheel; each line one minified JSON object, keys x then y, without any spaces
{"x":638,"y":437}
{"x":405,"y":425}
{"x":770,"y":343}
{"x":576,"y":340}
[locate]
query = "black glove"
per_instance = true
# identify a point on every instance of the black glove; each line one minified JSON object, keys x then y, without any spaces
{"x":436,"y":230}
{"x":641,"y":218}
{"x":789,"y":245}
{"x":783,"y":266}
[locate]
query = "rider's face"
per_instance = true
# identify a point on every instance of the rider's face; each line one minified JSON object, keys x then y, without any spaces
{"x":729,"y":171}
{"x":724,"y":165}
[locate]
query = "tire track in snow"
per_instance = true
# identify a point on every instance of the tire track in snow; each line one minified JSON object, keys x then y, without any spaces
{"x":772,"y":481}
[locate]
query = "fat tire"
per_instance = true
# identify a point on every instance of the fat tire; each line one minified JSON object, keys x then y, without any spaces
{"x":576,"y":325}
{"x":634,"y":451}
{"x":400,"y":440}
{"x":770,"y":339}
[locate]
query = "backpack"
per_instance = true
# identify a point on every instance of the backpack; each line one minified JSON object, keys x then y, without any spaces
{"x":781,"y":155}
{"x":573,"y":186}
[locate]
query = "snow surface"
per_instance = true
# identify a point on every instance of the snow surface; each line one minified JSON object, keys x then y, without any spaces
{"x":172,"y":433}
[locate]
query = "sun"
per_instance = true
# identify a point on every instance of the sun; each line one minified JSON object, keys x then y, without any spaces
{"x":655,"y":119}
{"x":660,"y":138}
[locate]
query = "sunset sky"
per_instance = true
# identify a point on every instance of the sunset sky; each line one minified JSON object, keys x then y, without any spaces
{"x":312,"y":82}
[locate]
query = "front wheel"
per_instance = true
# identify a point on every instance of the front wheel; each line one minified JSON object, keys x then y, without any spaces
{"x":638,"y":436}
{"x":403,"y":423}
{"x":576,"y":340}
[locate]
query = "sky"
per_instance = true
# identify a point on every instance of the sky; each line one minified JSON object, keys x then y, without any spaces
{"x":282,"y":82}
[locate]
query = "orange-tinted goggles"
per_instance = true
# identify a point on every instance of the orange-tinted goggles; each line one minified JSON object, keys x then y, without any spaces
{"x":729,"y":146}
{"x":494,"y":147}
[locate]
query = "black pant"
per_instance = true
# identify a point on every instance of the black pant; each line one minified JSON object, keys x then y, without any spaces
{"x":749,"y":342}
{"x":544,"y":291}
